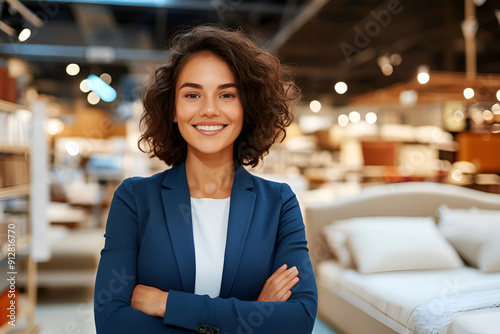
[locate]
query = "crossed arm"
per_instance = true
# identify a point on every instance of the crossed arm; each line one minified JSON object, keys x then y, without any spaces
{"x":122,"y":305}
{"x":277,"y":288}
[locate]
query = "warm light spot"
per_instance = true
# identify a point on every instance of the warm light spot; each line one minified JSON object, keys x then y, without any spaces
{"x":468,"y":93}
{"x":371,"y":118}
{"x":24,"y":35}
{"x":93,"y":98}
{"x":423,"y":78}
{"x":73,"y":69}
{"x":341,"y":87}
{"x":315,"y":106}
{"x":496,"y":109}
{"x":354,"y":116}
{"x":387,"y":69}
{"x":72,"y":148}
{"x":343,"y":120}
{"x":106,"y":78}
{"x":487,"y":115}
{"x":84,"y":86}
{"x":53,"y":126}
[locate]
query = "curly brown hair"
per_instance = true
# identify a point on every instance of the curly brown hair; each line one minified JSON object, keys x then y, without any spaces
{"x":266,"y":88}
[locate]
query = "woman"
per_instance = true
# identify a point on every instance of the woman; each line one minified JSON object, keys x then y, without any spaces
{"x":205,"y":246}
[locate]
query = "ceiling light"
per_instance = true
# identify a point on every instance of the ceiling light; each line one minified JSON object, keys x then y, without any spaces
{"x":371,"y":118}
{"x":423,"y":78}
{"x":468,"y":93}
{"x":423,"y":74}
{"x":341,"y":87}
{"x":106,"y":78}
{"x":53,"y":126}
{"x":496,"y":109}
{"x":498,"y":95}
{"x":343,"y":120}
{"x":387,"y":69}
{"x":396,"y":59}
{"x":354,"y":116}
{"x":84,"y":86}
{"x":72,"y":148}
{"x":408,"y":97}
{"x":487,"y":115}
{"x":93,"y":98}
{"x":315,"y":106}
{"x":72,"y":69}
{"x":24,"y":35}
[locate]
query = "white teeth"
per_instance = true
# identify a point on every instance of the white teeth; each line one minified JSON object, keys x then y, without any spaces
{"x":209,"y":127}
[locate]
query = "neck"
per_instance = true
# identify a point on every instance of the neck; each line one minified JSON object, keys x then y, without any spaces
{"x":209,"y":177}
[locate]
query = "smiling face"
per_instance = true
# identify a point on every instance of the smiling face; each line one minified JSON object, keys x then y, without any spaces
{"x":208,"y":109}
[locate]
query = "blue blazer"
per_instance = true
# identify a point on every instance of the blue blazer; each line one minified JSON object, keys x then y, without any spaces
{"x":149,"y":240}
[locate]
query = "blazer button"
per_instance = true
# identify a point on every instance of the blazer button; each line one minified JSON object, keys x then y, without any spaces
{"x":214,"y":330}
{"x":202,"y":329}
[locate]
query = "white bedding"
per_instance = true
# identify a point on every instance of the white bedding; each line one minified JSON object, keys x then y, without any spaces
{"x":396,"y":295}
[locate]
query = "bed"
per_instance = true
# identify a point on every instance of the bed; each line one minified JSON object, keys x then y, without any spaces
{"x":415,"y":257}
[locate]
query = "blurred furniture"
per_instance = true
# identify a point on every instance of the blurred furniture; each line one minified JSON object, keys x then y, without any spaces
{"x":481,"y":149}
{"x":356,"y":301}
{"x":379,"y":160}
{"x":75,"y":257}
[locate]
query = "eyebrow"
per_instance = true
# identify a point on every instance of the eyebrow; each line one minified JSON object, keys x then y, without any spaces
{"x":198,"y":86}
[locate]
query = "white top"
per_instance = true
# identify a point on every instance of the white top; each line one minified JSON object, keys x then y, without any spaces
{"x":210,"y":218}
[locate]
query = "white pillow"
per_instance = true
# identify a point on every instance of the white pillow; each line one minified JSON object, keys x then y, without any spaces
{"x":336,"y":239}
{"x":381,"y":244}
{"x":475,"y":234}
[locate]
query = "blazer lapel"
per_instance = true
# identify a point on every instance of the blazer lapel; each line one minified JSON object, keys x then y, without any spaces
{"x":240,"y":215}
{"x":177,"y":206}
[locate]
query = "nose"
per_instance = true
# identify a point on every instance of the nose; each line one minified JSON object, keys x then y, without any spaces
{"x":210,"y":108}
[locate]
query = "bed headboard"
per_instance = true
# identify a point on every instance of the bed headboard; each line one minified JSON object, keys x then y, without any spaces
{"x":396,"y":199}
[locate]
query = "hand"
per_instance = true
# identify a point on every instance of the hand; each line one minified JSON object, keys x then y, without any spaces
{"x":149,"y":300}
{"x":278,"y":285}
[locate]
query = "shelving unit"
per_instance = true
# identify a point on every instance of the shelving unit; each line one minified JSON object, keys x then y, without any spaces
{"x":17,"y":148}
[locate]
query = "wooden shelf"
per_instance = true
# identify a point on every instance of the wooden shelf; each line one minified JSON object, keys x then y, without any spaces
{"x":14,"y":149}
{"x":21,"y":190}
{"x":10,"y":107}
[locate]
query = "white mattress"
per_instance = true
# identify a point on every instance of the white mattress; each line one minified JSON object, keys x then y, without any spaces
{"x":395,"y":295}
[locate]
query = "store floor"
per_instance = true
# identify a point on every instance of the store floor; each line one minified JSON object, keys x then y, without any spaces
{"x":70,"y":311}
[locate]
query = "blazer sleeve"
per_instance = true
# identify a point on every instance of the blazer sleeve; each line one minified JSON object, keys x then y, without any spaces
{"x":231,"y":315}
{"x":117,"y":273}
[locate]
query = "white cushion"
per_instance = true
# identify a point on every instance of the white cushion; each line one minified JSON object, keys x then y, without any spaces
{"x":381,"y":244}
{"x":336,"y":239}
{"x":475,"y":234}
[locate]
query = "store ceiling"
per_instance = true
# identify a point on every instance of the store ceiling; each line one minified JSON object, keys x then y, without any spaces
{"x":324,"y":41}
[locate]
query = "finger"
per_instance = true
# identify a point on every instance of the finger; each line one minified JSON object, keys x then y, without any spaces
{"x":286,"y":289}
{"x":286,"y":276}
{"x":276,"y":274}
